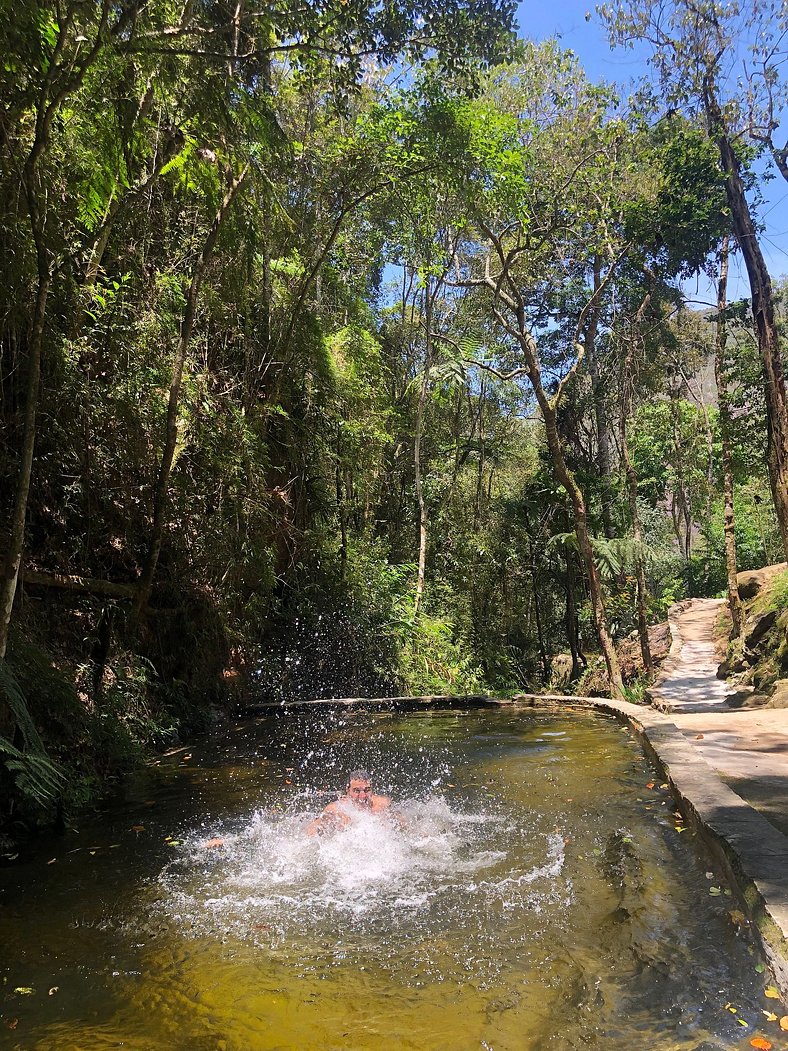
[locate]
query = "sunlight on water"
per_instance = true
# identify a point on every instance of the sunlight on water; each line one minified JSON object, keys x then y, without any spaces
{"x":527,"y":890}
{"x":418,"y":870}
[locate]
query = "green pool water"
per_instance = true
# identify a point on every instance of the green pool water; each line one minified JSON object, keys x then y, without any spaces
{"x":533,"y":893}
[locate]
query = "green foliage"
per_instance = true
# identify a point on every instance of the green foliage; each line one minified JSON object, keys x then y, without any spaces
{"x":342,"y":283}
{"x":33,"y":773}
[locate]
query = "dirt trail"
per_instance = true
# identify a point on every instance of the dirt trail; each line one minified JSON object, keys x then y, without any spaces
{"x":749,"y":747}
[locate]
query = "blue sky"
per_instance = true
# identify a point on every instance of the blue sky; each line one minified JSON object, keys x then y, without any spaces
{"x":566,"y":19}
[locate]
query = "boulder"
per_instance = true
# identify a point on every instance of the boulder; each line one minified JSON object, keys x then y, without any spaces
{"x":630,"y":657}
{"x":561,"y":669}
{"x":779,"y":697}
{"x":756,"y":626}
{"x":746,"y":697}
{"x":752,"y":581}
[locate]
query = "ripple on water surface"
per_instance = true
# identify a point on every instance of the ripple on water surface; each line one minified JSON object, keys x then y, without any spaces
{"x":527,"y":890}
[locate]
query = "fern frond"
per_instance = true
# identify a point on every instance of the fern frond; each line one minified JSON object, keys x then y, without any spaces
{"x":33,"y":772}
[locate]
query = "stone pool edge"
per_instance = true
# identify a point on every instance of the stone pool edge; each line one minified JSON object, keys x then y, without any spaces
{"x":751,"y":851}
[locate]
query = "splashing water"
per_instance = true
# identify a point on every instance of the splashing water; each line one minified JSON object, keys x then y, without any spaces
{"x":526,"y":891}
{"x":416,"y":870}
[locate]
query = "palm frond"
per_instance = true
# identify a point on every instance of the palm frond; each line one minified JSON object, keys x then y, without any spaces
{"x":32,"y":771}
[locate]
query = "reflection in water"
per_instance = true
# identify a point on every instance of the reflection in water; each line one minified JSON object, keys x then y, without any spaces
{"x":527,"y":892}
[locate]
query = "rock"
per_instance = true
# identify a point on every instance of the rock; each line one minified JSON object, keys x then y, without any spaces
{"x":757,"y":626}
{"x":779,"y":697}
{"x":746,"y":697}
{"x":752,"y":581}
{"x":561,"y":669}
{"x":630,"y":657}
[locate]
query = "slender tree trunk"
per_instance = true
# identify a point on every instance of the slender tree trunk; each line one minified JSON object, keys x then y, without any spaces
{"x":762,"y":312}
{"x":477,"y":510}
{"x":627,"y":368}
{"x":680,"y":510}
{"x":16,"y":541}
{"x":171,"y":432}
{"x":600,"y":409}
{"x":53,"y":94}
{"x":520,"y":330}
{"x":580,"y":514}
{"x":342,"y":514}
{"x":417,"y":457}
{"x":734,"y":601}
{"x":570,"y":621}
{"x":538,"y":616}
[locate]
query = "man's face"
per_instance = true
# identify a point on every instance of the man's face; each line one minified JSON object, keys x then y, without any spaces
{"x":360,"y":793}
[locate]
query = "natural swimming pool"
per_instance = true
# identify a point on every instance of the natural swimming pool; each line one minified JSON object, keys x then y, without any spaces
{"x":537,"y":894}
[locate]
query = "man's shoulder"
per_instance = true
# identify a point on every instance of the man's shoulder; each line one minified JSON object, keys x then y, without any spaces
{"x":381,"y":802}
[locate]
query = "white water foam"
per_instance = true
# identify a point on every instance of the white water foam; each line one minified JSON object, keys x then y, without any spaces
{"x":423,"y":865}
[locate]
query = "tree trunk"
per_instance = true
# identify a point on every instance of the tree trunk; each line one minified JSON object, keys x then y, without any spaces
{"x":538,"y":617}
{"x":762,"y":312}
{"x":16,"y":542}
{"x":570,"y":622}
{"x":600,"y":410}
{"x":580,"y":514}
{"x":171,"y":434}
{"x":632,"y":492}
{"x":734,"y":601}
{"x":48,"y":106}
{"x":417,"y":460}
{"x":342,"y":515}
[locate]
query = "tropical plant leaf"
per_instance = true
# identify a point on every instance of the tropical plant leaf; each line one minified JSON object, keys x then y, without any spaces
{"x":33,"y":772}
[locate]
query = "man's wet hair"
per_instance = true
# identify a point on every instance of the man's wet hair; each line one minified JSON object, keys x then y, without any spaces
{"x":358,"y":775}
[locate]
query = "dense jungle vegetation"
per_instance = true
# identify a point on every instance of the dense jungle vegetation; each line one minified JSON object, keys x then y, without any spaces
{"x":345,"y":351}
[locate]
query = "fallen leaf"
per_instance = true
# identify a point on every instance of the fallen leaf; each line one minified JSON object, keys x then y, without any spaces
{"x":51,"y":861}
{"x":24,"y":990}
{"x":54,"y":989}
{"x":770,"y":1016}
{"x":288,"y":781}
{"x":650,"y":784}
{"x":137,"y":828}
{"x":12,"y":1023}
{"x":698,"y":737}
{"x":715,"y":892}
{"x":762,"y":1043}
{"x":709,"y":875}
{"x":681,"y":828}
{"x":760,"y":968}
{"x":771,"y":992}
{"x":743,"y":1023}
{"x":784,"y":1023}
{"x":738,"y":917}
{"x":666,"y":785}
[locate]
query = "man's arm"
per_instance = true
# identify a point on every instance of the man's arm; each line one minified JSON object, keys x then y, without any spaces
{"x":331,"y":819}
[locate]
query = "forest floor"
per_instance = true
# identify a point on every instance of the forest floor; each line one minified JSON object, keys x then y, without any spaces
{"x":747,"y":747}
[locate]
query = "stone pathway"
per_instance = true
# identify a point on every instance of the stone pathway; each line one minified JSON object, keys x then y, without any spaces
{"x":747,"y":747}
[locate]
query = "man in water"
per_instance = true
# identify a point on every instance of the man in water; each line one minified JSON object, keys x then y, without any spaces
{"x":358,"y":797}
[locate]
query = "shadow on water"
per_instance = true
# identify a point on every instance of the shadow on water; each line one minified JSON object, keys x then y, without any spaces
{"x":530,"y":890}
